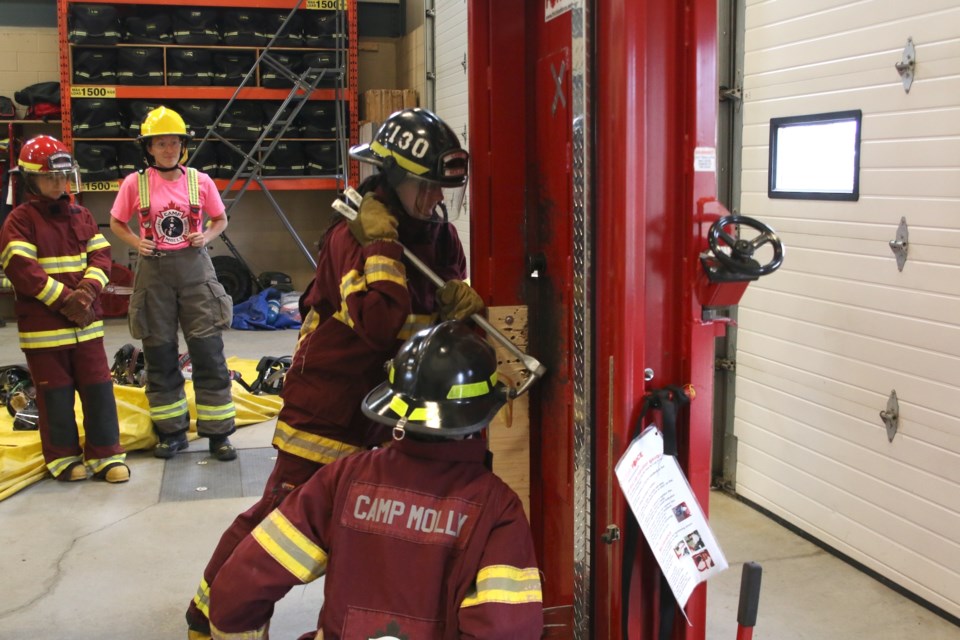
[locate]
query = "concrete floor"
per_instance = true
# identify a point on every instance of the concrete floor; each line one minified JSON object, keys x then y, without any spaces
{"x":95,"y":561}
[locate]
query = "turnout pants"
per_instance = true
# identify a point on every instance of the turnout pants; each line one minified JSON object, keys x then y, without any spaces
{"x":180,"y":289}
{"x":289,"y":472}
{"x":58,"y":377}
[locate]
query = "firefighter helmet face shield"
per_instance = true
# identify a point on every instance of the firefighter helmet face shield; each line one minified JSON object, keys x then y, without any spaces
{"x":48,"y":168}
{"x":416,"y":144}
{"x":442,"y":382}
{"x":425,"y":200}
{"x":163,"y":125}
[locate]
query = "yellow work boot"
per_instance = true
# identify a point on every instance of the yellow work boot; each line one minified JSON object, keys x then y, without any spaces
{"x":115,"y":473}
{"x":197,"y":635}
{"x":75,"y":473}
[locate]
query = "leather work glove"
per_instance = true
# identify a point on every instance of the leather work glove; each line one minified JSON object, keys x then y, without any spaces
{"x":458,"y":300}
{"x":78,"y":305}
{"x":373,"y":222}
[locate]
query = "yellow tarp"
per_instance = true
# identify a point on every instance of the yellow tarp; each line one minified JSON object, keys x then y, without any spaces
{"x":21,"y":460}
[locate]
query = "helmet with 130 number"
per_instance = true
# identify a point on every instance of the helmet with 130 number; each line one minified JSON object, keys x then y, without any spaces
{"x":442,"y":382}
{"x":163,"y":122}
{"x":415,"y":143}
{"x":46,"y":156}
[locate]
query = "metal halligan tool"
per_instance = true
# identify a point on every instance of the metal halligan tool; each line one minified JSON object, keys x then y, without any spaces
{"x":536,"y":370}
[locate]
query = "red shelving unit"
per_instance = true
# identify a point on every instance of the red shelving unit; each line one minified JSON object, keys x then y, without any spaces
{"x":71,"y":91}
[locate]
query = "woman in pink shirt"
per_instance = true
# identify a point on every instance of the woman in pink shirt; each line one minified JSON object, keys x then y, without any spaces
{"x":176,"y":286}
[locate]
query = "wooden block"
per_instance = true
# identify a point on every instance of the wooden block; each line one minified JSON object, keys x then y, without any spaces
{"x":376,"y":104}
{"x":509,"y":433}
{"x":410,"y":99}
{"x":396,"y":100}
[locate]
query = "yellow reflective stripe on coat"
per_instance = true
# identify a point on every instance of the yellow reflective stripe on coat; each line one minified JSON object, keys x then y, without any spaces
{"x":202,"y":598}
{"x":506,"y":585}
{"x":60,"y":337}
{"x":310,"y":446}
{"x":257,"y":634}
{"x":311,"y":322}
{"x":97,"y":242}
{"x":292,"y":550}
{"x":219,"y":412}
{"x":167,"y":411}
{"x":383,"y":269}
{"x":64,"y":264}
{"x":18,"y":248}
{"x":98,"y":274}
{"x":51,"y":292}
{"x":416,"y":322}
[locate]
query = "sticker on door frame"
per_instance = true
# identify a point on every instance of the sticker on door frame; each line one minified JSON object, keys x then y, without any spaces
{"x":554,"y":8}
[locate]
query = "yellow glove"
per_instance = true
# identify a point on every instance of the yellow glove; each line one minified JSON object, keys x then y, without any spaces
{"x":458,"y":300}
{"x":373,"y":222}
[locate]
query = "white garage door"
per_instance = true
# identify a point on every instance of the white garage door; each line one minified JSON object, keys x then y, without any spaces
{"x":451,"y":84}
{"x":824,"y":341}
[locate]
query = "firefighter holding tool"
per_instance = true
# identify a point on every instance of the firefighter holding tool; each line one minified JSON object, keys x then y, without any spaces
{"x":58,"y":262}
{"x":364,"y":301}
{"x":176,"y":287}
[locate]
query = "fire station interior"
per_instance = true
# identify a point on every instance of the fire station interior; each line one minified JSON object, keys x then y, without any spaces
{"x":602,"y":235}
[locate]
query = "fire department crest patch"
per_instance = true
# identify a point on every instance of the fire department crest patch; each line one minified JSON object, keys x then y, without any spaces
{"x":173,"y":225}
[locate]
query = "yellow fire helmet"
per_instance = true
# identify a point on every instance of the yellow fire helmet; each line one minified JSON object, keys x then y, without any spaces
{"x":163,"y":122}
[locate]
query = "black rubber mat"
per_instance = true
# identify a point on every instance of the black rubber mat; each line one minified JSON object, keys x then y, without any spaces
{"x":199,"y":476}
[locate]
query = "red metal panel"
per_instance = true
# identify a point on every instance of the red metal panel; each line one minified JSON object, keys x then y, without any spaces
{"x":498,"y":155}
{"x":656,"y":90}
{"x":653,"y":103}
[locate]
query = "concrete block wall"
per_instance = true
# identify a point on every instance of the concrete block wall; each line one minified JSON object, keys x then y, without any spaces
{"x":28,"y":55}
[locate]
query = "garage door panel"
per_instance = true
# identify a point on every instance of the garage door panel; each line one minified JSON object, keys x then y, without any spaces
{"x":451,"y":99}
{"x":910,"y":304}
{"x":776,"y":24}
{"x":936,"y":215}
{"x":853,"y":246}
{"x":903,"y":562}
{"x":849,"y":343}
{"x":887,"y":98}
{"x":919,"y":277}
{"x":837,"y":369}
{"x":881,"y":324}
{"x":852,"y":442}
{"x":925,"y":426}
{"x":847,"y":236}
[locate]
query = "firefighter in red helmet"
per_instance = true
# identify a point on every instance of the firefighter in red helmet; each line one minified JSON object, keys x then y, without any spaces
{"x":58,"y":262}
{"x":176,"y":286}
{"x":364,"y":301}
{"x":426,"y":506}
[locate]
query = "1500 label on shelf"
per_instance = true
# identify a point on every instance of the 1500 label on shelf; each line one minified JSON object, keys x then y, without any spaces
{"x":102,"y":185}
{"x":327,"y":5}
{"x":93,"y":92}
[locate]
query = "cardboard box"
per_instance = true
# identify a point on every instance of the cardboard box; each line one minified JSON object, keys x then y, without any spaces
{"x":378,"y":104}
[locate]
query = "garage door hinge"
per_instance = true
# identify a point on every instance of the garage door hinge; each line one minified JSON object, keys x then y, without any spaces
{"x":725,"y":364}
{"x":731,"y":93}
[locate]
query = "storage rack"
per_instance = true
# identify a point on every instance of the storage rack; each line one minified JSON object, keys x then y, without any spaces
{"x":248,"y":175}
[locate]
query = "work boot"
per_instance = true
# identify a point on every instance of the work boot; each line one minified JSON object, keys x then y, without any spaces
{"x":114,"y":473}
{"x":198,"y":627}
{"x":221,"y":449}
{"x":170,"y":445}
{"x":73,"y":473}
